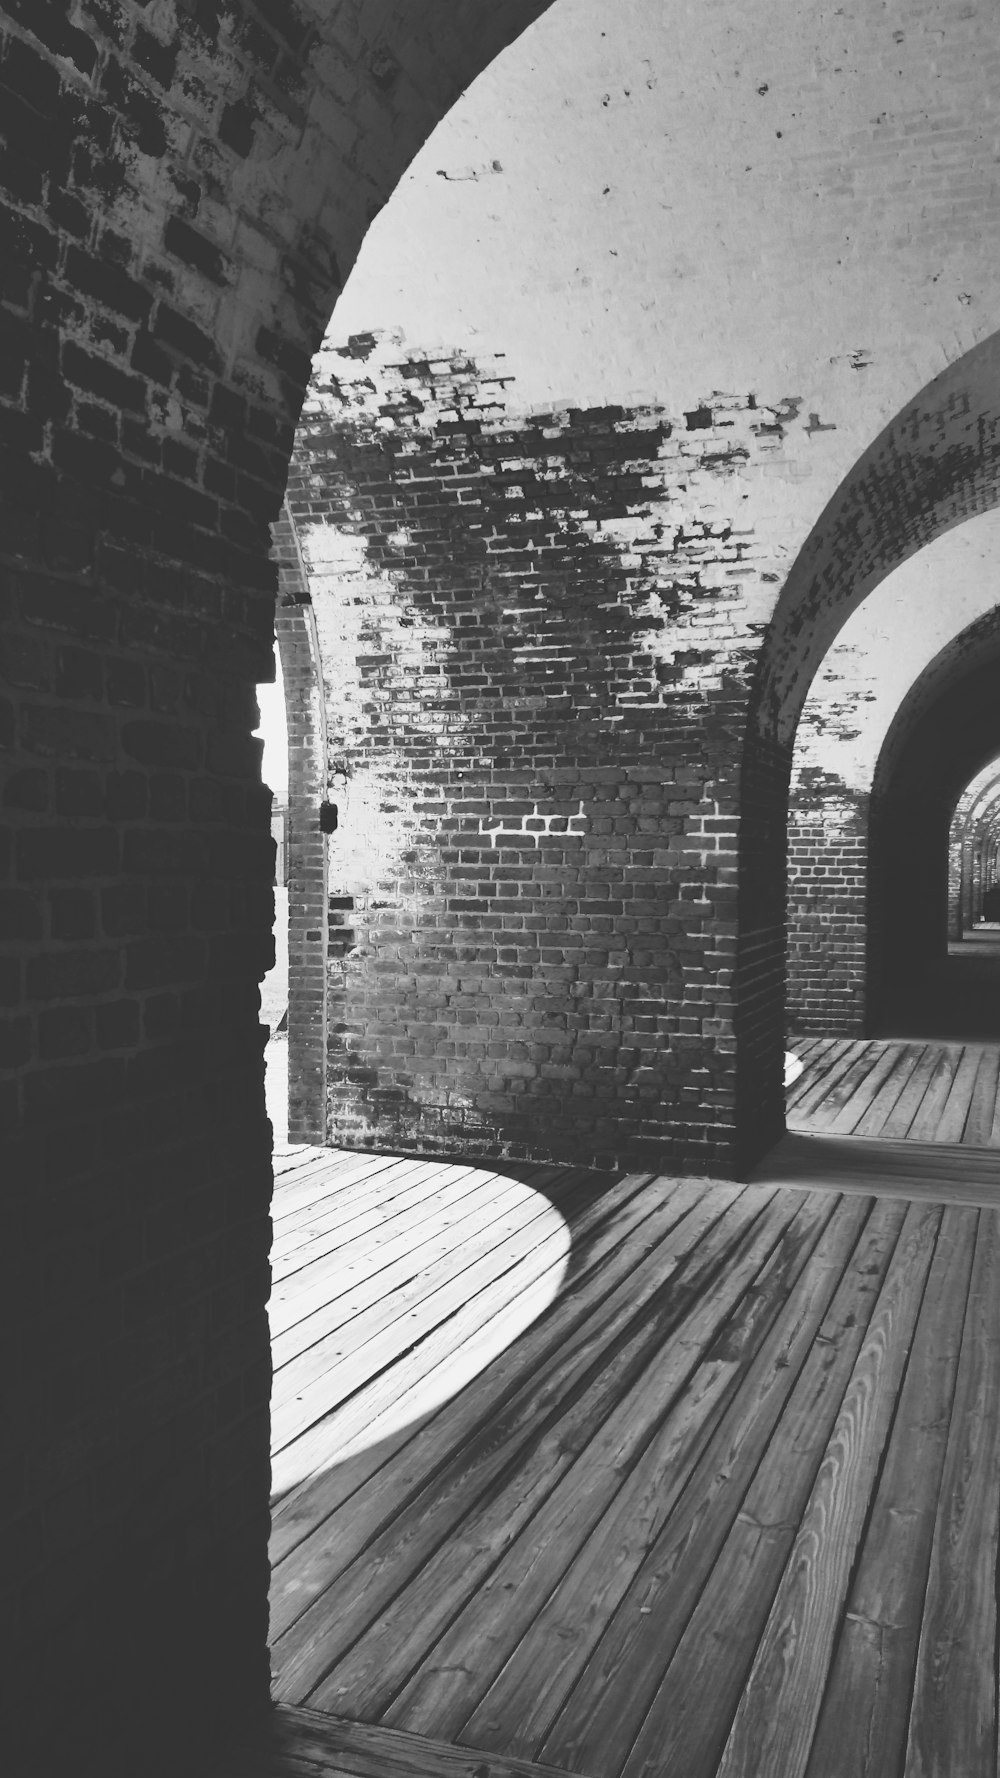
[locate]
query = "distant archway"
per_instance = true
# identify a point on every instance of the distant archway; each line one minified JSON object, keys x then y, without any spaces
{"x":975,"y":816}
{"x":935,"y":464}
{"x":937,"y":744}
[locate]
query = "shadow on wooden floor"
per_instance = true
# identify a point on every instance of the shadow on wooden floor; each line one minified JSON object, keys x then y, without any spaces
{"x":726,"y":1505}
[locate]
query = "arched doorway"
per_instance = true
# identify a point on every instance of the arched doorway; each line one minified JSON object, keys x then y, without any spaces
{"x":934,"y":465}
{"x":184,"y":192}
{"x":943,"y":735}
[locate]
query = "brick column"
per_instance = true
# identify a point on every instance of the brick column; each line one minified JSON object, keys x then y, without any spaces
{"x":307,"y":848}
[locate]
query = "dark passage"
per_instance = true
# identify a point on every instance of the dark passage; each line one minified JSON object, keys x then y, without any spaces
{"x":956,"y":996}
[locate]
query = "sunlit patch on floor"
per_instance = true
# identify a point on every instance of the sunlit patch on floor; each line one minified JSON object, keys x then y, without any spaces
{"x":396,"y":1282}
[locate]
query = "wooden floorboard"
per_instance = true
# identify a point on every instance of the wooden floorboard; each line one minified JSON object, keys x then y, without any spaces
{"x":876,"y":1114}
{"x":877,"y":1168}
{"x":944,"y":1093}
{"x":781,"y":1697}
{"x":628,"y":1475}
{"x":952,"y":1723}
{"x":302,"y":1743}
{"x":610,"y":1234}
{"x":865,"y":1709}
{"x":536,"y":1435}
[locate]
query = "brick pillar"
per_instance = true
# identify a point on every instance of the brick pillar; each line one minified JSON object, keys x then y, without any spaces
{"x":308,"y":915}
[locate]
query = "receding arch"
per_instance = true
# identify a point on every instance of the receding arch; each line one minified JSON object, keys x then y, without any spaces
{"x":948,"y":592}
{"x":944,"y":734}
{"x":936,"y":463}
{"x":976,"y":810}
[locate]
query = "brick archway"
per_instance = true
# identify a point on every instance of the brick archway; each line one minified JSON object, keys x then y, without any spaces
{"x":974,"y":820}
{"x":828,"y":831}
{"x":186,"y":187}
{"x":944,"y":734}
{"x":935,"y":464}
{"x":185,"y":190}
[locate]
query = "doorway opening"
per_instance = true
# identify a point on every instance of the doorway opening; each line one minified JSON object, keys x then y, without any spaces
{"x":902,"y":720}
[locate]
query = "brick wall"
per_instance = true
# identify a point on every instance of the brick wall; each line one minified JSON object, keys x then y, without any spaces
{"x":827,"y":917}
{"x":178,"y":209}
{"x":919,"y":477}
{"x":760,"y":964}
{"x":308,"y":893}
{"x":185,"y":188}
{"x":853,"y":712}
{"x":944,"y":735}
{"x":973,"y":825}
{"x":534,"y":637}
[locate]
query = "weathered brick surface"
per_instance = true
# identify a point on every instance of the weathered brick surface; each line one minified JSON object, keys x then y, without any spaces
{"x":921,"y":475}
{"x":973,"y":850}
{"x":827,"y":911}
{"x":536,"y":642}
{"x":308,"y":899}
{"x":946,"y":732}
{"x":887,"y":651}
{"x":183,"y":189}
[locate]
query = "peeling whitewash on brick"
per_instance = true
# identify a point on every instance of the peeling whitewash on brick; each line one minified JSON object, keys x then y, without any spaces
{"x":477,"y":569}
{"x":537,"y":633}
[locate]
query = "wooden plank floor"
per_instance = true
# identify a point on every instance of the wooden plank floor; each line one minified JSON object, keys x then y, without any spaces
{"x":945,"y":1093}
{"x":630,"y":1475}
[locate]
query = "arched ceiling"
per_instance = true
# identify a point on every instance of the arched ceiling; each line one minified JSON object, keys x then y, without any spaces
{"x":670,"y":199}
{"x":655,"y":205}
{"x":925,"y":603}
{"x":979,"y":800}
{"x":947,"y":729}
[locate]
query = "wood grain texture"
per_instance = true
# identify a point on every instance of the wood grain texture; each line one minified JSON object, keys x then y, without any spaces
{"x":979,"y":1123}
{"x":614,"y":1325}
{"x":784,"y":1690}
{"x":853,"y":1109}
{"x":302,"y":1743}
{"x":746,"y":1359}
{"x":879,"y":1168}
{"x":609,"y":1237}
{"x":647,"y":1446}
{"x":816,"y":1058}
{"x":863,"y":1721}
{"x":875,"y":1115}
{"x":454,"y":1535}
{"x":717,"y":1644}
{"x":953,"y":1725}
{"x":899,"y":1120}
{"x":727,"y":1504}
{"x":834,"y":1086}
{"x":944,"y":1093}
{"x":483,"y":1222}
{"x":617,"y":1682}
